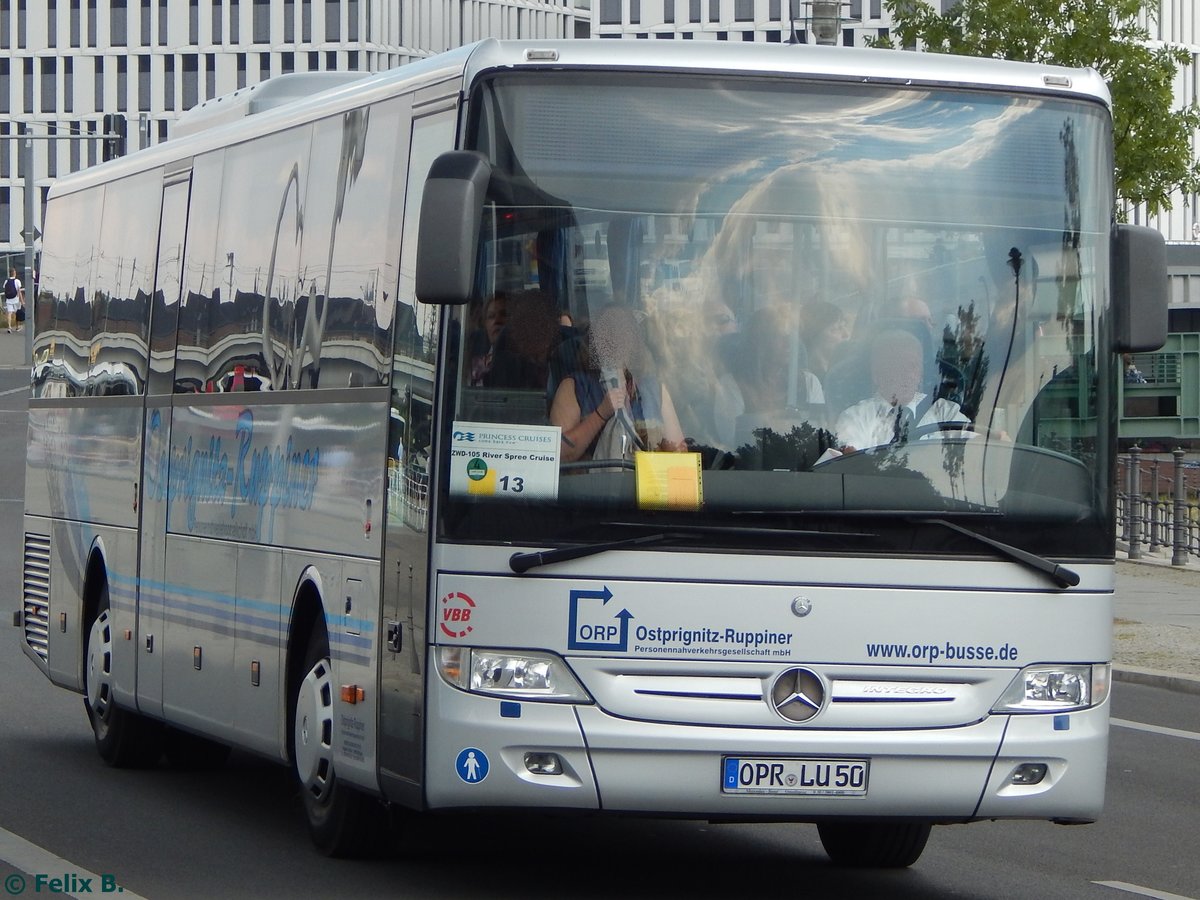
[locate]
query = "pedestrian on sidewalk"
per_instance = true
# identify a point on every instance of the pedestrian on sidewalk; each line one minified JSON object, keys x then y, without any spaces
{"x":14,"y":300}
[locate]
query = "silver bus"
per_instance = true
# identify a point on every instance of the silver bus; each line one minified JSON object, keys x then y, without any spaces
{"x":718,"y":431}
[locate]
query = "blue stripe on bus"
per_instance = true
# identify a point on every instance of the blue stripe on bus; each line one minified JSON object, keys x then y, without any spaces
{"x":158,"y":591}
{"x":216,"y":617}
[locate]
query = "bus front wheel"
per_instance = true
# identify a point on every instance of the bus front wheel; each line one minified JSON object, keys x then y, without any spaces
{"x":874,"y":845}
{"x":124,"y":739}
{"x":342,"y":821}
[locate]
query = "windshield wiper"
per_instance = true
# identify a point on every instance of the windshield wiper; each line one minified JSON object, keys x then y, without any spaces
{"x":523,"y":562}
{"x":1060,"y":575}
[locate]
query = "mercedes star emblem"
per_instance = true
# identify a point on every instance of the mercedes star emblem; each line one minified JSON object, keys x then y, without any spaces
{"x":798,"y":695}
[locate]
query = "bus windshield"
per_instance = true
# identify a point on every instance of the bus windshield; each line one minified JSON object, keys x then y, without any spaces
{"x":736,"y":313}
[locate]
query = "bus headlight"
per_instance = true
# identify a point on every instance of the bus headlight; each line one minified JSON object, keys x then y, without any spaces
{"x":1051,"y":688}
{"x":504,"y":673}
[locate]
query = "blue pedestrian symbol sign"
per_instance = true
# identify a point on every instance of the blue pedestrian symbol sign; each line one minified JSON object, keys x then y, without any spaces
{"x":472,"y":765}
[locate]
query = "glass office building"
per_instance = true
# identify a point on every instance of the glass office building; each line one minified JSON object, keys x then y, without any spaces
{"x":67,"y":63}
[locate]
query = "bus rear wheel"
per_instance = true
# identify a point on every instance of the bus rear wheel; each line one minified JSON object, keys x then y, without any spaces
{"x":874,"y":845}
{"x":342,"y":821}
{"x":124,"y":739}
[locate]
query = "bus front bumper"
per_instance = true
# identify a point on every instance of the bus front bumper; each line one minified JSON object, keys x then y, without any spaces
{"x":487,"y":753}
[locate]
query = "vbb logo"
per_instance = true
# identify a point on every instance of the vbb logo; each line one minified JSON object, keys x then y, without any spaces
{"x":456,"y":615}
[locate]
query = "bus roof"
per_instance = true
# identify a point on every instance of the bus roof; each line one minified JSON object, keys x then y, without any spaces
{"x":802,"y":61}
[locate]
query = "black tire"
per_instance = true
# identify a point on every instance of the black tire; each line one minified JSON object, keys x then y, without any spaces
{"x":192,"y":753}
{"x":124,"y":739}
{"x":874,"y":845}
{"x":342,"y":821}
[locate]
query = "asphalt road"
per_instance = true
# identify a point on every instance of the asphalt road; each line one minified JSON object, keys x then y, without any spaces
{"x":239,"y":832}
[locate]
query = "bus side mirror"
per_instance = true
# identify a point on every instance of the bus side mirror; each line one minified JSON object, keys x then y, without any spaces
{"x":448,"y":236}
{"x":1139,"y":289}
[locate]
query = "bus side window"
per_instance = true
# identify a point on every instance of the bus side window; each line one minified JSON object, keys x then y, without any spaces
{"x":199,"y":290}
{"x":346,"y":310}
{"x":124,"y":280}
{"x":60,"y":348}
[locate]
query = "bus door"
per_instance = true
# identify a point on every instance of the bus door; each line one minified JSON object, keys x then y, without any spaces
{"x":156,"y":443}
{"x":406,"y":549}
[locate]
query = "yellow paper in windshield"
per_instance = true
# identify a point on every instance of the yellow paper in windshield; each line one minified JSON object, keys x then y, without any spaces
{"x":668,"y":480}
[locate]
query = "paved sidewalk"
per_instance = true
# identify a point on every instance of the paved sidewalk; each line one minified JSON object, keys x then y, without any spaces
{"x":13,"y":351}
{"x":1156,"y":632}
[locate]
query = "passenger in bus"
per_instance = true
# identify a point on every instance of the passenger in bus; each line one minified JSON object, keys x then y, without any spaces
{"x":942,"y":342}
{"x":897,"y":410}
{"x":917,"y":310}
{"x":614,"y":403}
{"x":824,"y":329}
{"x":486,"y":335}
{"x":525,"y":345}
{"x":692,"y":344}
{"x":755,"y":392}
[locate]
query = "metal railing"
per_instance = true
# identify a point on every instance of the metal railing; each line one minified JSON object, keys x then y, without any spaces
{"x":1158,"y":504}
{"x":408,"y":497}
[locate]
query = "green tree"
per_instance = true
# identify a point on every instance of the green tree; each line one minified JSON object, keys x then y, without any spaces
{"x":1153,"y":140}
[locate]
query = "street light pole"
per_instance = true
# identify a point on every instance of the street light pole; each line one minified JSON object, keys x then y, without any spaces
{"x":28,"y":232}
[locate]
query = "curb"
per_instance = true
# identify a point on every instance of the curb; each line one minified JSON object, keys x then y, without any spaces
{"x":1161,"y":562}
{"x":1172,"y":681}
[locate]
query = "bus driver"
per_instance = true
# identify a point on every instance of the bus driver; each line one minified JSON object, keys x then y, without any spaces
{"x":897,"y":410}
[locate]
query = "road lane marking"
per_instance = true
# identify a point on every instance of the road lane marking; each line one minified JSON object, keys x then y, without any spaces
{"x":1156,"y":729}
{"x":34,"y":860}
{"x":1141,"y":891}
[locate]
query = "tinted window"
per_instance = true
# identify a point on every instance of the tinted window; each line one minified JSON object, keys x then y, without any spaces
{"x":200,"y":290}
{"x":164,"y":319}
{"x":352,"y":209}
{"x":410,"y":426}
{"x":844,"y":301}
{"x":71,"y":323}
{"x":62,"y":311}
{"x":252,"y":320}
{"x":123,"y":272}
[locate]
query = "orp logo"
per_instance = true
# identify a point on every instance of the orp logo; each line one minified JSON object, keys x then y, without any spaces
{"x":593,"y":625}
{"x":454,"y":615}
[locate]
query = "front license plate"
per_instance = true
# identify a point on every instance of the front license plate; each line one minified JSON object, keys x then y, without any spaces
{"x":804,"y":776}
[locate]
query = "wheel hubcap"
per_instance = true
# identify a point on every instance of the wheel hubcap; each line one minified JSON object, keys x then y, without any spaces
{"x":314,"y":731}
{"x":99,"y":668}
